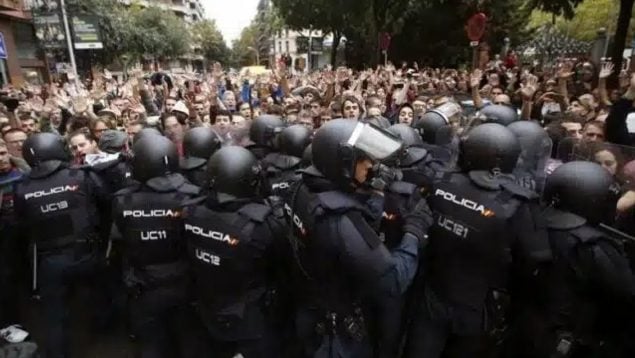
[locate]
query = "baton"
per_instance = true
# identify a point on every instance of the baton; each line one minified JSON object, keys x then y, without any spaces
{"x":34,"y":286}
{"x":622,"y":235}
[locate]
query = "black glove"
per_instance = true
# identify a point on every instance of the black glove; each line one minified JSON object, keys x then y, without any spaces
{"x":383,"y":176}
{"x":418,"y":220}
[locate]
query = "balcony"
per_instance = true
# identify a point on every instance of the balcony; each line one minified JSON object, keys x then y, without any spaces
{"x":11,"y":5}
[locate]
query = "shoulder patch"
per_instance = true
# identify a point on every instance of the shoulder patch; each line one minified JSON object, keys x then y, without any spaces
{"x":255,"y":212}
{"x":520,"y":191}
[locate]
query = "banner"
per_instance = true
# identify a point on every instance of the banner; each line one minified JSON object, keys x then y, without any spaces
{"x":86,"y":32}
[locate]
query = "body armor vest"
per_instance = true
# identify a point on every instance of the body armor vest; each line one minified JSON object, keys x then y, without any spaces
{"x":197,"y":176}
{"x":316,"y":243}
{"x":151,"y":224}
{"x":280,"y":173}
{"x":60,"y":208}
{"x":227,"y":252}
{"x":469,"y":250}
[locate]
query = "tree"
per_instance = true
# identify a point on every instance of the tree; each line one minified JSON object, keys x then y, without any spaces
{"x":564,"y":8}
{"x":329,"y":16}
{"x":589,"y":17}
{"x":206,"y":36}
{"x":160,"y":34}
{"x":242,"y":53}
{"x":114,"y":25}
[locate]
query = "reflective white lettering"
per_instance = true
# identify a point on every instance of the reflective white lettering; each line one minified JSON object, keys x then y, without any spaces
{"x":214,"y":235}
{"x":52,"y":191}
{"x":54,"y":207}
{"x":453,"y":227}
{"x":154,"y":235}
{"x":207,"y":257}
{"x":157,"y":213}
{"x":280,"y":186}
{"x":466,"y":203}
{"x":295,"y":219}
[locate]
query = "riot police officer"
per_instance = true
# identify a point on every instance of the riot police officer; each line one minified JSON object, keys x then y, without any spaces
{"x":437,"y":134}
{"x":331,"y":224}
{"x":499,"y":113}
{"x":149,"y":217}
{"x":417,"y":164}
{"x":280,"y":167}
{"x":263,"y":133}
{"x":198,"y":146}
{"x":58,"y":210}
{"x":484,"y":223}
{"x":583,"y":307}
{"x":231,"y":239}
{"x":536,"y":150}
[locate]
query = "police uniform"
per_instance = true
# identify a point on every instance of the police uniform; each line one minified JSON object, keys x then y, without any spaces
{"x":483,"y":224}
{"x":230,"y":247}
{"x":149,"y":218}
{"x":58,"y":211}
{"x":280,"y":173}
{"x":332,"y":226}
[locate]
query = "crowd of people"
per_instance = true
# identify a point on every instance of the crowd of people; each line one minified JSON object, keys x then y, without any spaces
{"x":388,"y":212}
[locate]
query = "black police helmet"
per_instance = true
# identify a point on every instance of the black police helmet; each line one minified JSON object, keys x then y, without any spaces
{"x":340,"y":143}
{"x":154,"y":156}
{"x":428,"y":125}
{"x":149,"y":131}
{"x":42,"y":150}
{"x":582,"y":188}
{"x":198,"y":146}
{"x":407,"y":134}
{"x":499,"y":113}
{"x":293,"y":140}
{"x":328,"y":153}
{"x":234,"y":173}
{"x":489,"y":146}
{"x":264,"y":129}
{"x":530,"y":134}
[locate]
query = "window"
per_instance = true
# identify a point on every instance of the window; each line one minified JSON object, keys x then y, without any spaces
{"x":280,"y":46}
{"x":26,"y":44}
{"x":286,"y":45}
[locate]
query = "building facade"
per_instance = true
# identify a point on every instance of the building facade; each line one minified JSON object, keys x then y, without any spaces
{"x":294,"y":46}
{"x":24,"y":60}
{"x":189,"y":10}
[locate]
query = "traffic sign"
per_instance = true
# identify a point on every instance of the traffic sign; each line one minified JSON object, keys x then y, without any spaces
{"x":3,"y":47}
{"x":475,"y":27}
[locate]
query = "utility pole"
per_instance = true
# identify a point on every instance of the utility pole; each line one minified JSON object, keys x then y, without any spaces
{"x":69,"y":43}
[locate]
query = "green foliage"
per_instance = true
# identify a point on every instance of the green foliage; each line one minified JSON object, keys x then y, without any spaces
{"x":565,"y":8}
{"x":159,"y":33}
{"x":242,"y":55}
{"x":135,"y":31}
{"x":207,"y":37}
{"x":589,"y":17}
{"x":113,"y":19}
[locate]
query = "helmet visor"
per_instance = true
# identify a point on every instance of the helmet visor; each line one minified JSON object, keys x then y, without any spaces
{"x":374,"y":142}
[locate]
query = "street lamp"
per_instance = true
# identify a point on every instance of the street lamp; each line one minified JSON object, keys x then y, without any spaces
{"x":257,"y":55}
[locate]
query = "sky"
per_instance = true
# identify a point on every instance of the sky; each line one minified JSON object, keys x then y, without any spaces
{"x":231,"y":15}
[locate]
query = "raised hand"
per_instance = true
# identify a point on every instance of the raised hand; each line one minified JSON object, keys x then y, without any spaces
{"x":475,"y":78}
{"x":529,"y":89}
{"x":606,"y":70}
